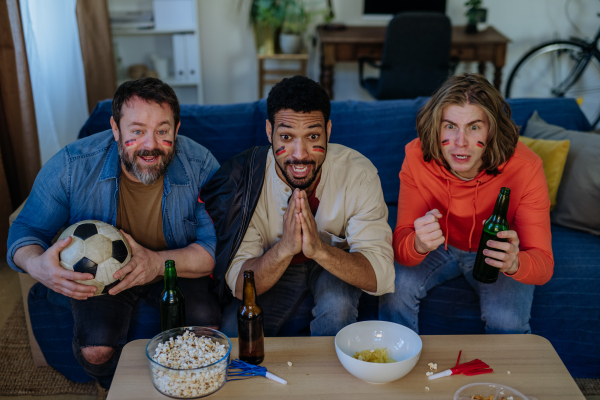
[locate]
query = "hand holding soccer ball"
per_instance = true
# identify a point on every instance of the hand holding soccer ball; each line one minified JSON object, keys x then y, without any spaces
{"x":96,"y":248}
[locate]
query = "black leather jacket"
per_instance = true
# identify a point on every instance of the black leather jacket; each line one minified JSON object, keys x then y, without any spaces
{"x":230,"y":198}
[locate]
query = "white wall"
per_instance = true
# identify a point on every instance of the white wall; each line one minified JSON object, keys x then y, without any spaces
{"x":229,"y":67}
{"x":228,"y":56}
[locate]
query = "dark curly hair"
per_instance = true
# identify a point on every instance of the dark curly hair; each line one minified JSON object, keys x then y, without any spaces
{"x":300,"y":94}
{"x":149,"y":89}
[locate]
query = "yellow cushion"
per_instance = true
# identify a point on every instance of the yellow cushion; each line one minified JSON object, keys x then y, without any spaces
{"x":554,"y":155}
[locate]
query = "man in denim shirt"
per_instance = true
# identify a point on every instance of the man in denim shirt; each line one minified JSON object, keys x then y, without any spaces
{"x":145,"y":180}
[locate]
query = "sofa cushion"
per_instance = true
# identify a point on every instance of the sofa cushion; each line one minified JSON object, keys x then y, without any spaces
{"x":554,"y":155}
{"x":579,"y":191}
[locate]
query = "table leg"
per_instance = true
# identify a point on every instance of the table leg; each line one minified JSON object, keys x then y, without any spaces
{"x":303,"y":67}
{"x":499,"y":61}
{"x":481,"y":68}
{"x":497,"y":77}
{"x":261,"y":79}
{"x":327,"y":63}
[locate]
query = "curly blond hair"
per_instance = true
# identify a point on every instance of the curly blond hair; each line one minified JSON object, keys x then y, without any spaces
{"x":474,"y":89}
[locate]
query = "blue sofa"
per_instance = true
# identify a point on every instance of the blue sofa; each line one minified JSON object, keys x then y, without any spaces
{"x":566,"y":310}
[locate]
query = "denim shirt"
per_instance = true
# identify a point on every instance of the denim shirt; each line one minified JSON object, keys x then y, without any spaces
{"x":81,"y":182}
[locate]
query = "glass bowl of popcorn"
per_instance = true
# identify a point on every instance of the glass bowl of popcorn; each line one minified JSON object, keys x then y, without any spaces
{"x":188,"y":362}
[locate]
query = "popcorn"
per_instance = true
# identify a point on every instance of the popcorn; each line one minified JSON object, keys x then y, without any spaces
{"x":432,"y":366}
{"x":290,"y":363}
{"x":427,"y":388}
{"x":508,"y":372}
{"x":188,"y":351}
{"x":429,"y":373}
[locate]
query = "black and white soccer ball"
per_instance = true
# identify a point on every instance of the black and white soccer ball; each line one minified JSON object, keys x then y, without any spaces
{"x":97,"y":248}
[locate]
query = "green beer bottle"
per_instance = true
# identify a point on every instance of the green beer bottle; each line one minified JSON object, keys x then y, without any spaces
{"x":251,"y":337}
{"x":482,"y":271}
{"x":172,"y":302}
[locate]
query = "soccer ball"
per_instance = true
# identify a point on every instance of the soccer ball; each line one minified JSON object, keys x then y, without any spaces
{"x":97,"y":248}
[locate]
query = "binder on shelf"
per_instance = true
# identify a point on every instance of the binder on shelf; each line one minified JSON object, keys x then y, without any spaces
{"x":179,"y":58}
{"x":193,"y":56}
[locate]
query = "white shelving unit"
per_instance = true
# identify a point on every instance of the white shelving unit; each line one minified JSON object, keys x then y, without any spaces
{"x":180,"y":47}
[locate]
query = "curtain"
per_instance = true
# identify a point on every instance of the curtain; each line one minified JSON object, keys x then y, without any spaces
{"x":19,"y":146}
{"x":96,"y":50}
{"x":56,"y":69}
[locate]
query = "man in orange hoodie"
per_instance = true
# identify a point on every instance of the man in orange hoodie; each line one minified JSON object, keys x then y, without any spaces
{"x":467,"y":150}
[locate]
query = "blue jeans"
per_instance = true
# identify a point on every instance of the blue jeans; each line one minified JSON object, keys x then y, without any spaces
{"x":336,"y":302}
{"x":505,"y":305}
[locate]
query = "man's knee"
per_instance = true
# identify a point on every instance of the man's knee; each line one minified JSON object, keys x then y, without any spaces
{"x":341,"y":309}
{"x":506,"y":321}
{"x":97,"y":354}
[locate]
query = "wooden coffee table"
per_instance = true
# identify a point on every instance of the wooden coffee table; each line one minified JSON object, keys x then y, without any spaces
{"x":316,"y":373}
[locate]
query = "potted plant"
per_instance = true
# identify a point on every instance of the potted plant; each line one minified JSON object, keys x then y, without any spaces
{"x":266,"y":17}
{"x":474,"y":15}
{"x":294,"y":26}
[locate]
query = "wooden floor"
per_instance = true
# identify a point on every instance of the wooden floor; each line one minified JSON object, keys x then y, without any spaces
{"x":10,"y":292}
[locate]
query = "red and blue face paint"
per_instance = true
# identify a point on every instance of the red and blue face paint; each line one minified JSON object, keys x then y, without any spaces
{"x":280,"y":151}
{"x":480,"y":144}
{"x":319,"y":149}
{"x":445,"y":142}
{"x":167,"y":143}
{"x":130,"y":142}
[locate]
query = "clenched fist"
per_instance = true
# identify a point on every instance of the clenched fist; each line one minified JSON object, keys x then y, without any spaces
{"x":428,"y":234}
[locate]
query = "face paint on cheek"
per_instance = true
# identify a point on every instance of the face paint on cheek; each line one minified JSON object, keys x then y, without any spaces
{"x":280,"y":151}
{"x":445,"y":142}
{"x":167,"y":143}
{"x":130,"y":142}
{"x":480,"y":144}
{"x":319,"y":149}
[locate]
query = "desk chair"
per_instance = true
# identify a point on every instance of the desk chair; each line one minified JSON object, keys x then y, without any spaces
{"x":416,"y":57}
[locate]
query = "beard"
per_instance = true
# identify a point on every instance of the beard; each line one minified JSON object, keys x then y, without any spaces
{"x":303,"y":183}
{"x":145,"y":174}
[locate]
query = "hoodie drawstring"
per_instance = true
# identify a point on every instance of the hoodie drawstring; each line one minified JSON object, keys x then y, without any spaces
{"x":474,"y":213}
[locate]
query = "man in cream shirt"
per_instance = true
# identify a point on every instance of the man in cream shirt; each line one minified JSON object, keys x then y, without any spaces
{"x":320,"y":222}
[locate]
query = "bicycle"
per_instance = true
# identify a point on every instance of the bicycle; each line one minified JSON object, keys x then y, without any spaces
{"x":561,"y":68}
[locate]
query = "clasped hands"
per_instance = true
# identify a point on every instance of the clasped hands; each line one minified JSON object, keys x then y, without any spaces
{"x":429,"y":236}
{"x":300,"y":231}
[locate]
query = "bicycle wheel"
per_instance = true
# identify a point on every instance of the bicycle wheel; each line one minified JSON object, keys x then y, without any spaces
{"x":544,"y":71}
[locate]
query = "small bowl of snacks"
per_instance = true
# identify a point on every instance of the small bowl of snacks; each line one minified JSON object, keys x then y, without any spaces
{"x":378,"y":351}
{"x":488,"y":391}
{"x":188,"y":362}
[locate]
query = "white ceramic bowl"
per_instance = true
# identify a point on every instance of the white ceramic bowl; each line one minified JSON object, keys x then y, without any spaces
{"x":403,"y":345}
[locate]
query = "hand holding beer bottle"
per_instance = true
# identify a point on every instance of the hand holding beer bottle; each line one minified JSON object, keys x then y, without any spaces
{"x":498,"y":247}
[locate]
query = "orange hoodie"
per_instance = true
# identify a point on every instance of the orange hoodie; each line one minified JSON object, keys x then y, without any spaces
{"x":464,"y":206}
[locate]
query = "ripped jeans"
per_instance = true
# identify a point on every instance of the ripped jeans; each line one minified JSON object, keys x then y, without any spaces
{"x":104,"y":320}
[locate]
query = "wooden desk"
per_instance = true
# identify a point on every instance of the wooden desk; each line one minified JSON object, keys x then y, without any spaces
{"x":262,"y":72}
{"x":316,"y":373}
{"x":367,"y":41}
